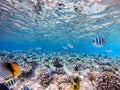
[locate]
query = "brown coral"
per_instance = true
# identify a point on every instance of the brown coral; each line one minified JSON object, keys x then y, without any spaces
{"x":45,"y":79}
{"x":62,"y":78}
{"x":107,"y":81}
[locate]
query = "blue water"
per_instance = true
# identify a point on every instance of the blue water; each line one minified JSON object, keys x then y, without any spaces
{"x":21,"y":29}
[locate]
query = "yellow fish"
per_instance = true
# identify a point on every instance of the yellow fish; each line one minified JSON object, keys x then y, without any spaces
{"x":76,"y":84}
{"x":9,"y":70}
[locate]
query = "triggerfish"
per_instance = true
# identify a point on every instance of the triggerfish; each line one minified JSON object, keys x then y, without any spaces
{"x":9,"y":70}
{"x":76,"y":84}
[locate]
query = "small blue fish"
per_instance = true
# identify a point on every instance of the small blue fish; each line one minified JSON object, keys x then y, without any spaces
{"x":26,"y":88}
{"x":65,"y":48}
{"x":99,"y":42}
{"x":108,"y":50}
{"x":70,"y":45}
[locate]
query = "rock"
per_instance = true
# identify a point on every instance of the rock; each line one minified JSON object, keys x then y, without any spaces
{"x":107,"y":81}
{"x":65,"y":86}
{"x":10,"y":56}
{"x":2,"y":54}
{"x":52,"y":87}
{"x":27,"y":72}
{"x":45,"y":79}
{"x":34,"y":64}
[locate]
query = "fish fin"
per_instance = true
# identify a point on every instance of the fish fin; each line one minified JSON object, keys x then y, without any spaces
{"x":4,"y":73}
{"x":11,"y":82}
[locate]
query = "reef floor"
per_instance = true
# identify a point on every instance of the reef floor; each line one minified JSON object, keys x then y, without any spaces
{"x":57,"y":71}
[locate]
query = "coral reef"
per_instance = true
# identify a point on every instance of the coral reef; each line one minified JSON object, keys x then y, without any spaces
{"x":107,"y":81}
{"x":56,"y":71}
{"x":45,"y":79}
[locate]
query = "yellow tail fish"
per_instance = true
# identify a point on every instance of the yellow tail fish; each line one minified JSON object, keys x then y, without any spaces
{"x":76,"y":84}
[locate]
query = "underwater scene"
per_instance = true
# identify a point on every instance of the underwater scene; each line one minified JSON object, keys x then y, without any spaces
{"x":59,"y":44}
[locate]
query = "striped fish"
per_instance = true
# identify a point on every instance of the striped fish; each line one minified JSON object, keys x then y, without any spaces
{"x":99,"y":42}
{"x":4,"y":72}
{"x":10,"y":82}
{"x":3,"y":87}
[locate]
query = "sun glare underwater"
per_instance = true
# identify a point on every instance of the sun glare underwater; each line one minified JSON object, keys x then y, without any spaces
{"x":55,"y":25}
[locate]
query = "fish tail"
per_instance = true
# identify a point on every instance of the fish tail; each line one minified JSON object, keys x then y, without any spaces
{"x":11,"y":82}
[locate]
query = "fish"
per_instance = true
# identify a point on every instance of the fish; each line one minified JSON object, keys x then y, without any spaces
{"x":76,"y":84}
{"x":26,"y":88}
{"x":3,"y":87}
{"x":10,"y":82}
{"x":65,"y":48}
{"x":9,"y":70}
{"x":58,"y":65}
{"x":30,"y":49}
{"x":38,"y":48}
{"x":108,"y":50}
{"x":99,"y":42}
{"x":70,"y":45}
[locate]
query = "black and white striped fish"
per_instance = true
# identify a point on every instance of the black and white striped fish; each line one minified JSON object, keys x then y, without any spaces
{"x":99,"y":42}
{"x":10,"y":82}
